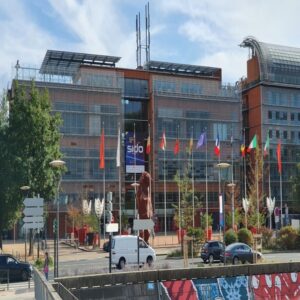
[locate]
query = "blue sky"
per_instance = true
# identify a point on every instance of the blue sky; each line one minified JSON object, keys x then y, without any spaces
{"x":202,"y":32}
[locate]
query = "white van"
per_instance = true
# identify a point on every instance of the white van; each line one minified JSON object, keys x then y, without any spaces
{"x":124,"y":251}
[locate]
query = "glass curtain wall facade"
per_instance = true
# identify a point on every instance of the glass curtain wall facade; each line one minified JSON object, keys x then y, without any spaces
{"x":186,"y":107}
{"x":273,"y":85}
{"x":91,"y":98}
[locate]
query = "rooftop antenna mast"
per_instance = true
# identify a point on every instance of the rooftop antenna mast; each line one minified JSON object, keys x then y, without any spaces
{"x":147,"y":23}
{"x":138,"y":41}
{"x":139,"y":45}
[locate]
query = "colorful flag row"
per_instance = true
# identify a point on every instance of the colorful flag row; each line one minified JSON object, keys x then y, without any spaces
{"x":201,"y":142}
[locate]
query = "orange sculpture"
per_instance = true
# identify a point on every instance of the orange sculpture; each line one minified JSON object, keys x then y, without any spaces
{"x":144,"y":203}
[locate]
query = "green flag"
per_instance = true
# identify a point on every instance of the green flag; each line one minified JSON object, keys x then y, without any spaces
{"x":267,"y":146}
{"x":253,"y":144}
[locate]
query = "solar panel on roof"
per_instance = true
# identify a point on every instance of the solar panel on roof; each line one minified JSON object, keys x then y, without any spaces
{"x":67,"y":63}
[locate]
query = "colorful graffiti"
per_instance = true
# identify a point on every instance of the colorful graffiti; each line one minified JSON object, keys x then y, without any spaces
{"x":258,"y":287}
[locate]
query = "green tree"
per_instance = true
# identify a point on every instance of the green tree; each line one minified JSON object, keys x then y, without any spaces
{"x":295,"y":190}
{"x":29,"y":142}
{"x":186,"y":201}
{"x":255,"y":174}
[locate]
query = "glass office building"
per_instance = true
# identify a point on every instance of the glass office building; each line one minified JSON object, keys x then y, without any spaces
{"x":271,"y":105}
{"x":91,"y":92}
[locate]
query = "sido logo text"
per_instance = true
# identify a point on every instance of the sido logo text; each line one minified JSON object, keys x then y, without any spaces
{"x":135,"y":149}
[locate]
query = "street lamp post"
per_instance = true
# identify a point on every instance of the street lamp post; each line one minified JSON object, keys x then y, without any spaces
{"x":25,"y":188}
{"x":232,"y":186}
{"x":57,"y":164}
{"x":135,"y":185}
{"x":222,"y":165}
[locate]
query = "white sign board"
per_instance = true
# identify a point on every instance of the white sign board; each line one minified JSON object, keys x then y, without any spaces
{"x":33,"y":202}
{"x":35,"y":219}
{"x":33,"y":211}
{"x":33,"y":225}
{"x":112,"y":227}
{"x":142,"y":224}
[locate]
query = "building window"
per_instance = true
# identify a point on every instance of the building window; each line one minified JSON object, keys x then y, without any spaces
{"x":292,"y":135}
{"x":277,"y":115}
{"x":298,"y":116}
{"x":271,"y":134}
{"x":292,"y":116}
{"x":270,"y":115}
{"x":285,"y":134}
{"x":278,"y":134}
{"x":221,"y":130}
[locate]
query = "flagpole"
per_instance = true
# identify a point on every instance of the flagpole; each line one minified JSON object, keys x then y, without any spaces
{"x":104,"y":210}
{"x":119,"y":165}
{"x":220,"y":199}
{"x":232,"y":183}
{"x":179,"y":191}
{"x":193,"y":180}
{"x":245,"y":175}
{"x":134,"y":153}
{"x":206,"y":185}
{"x":257,"y":195}
{"x":280,"y":169}
{"x":165,"y":195}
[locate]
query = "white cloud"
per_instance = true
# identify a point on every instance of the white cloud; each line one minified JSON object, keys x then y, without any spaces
{"x":207,"y":32}
{"x":218,"y":27}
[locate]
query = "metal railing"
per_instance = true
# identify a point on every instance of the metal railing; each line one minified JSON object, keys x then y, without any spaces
{"x":43,"y":290}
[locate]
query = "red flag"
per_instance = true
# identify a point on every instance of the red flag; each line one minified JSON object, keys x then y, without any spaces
{"x":217,"y":146}
{"x":163,"y":142}
{"x":176,"y":147}
{"x":148,"y":147}
{"x":279,"y":157}
{"x":102,"y":149}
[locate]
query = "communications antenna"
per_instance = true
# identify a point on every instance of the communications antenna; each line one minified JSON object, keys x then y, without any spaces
{"x":139,"y":45}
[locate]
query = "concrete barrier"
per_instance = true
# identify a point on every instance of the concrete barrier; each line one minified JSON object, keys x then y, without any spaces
{"x":125,"y":278}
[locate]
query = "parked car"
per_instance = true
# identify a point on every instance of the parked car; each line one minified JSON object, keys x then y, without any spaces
{"x":240,"y":252}
{"x":211,"y":251}
{"x":124,"y":251}
{"x":18,"y":270}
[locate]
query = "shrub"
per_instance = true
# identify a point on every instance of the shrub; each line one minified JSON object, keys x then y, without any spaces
{"x":267,"y":239}
{"x":287,"y":238}
{"x":245,"y":236}
{"x":230,"y":237}
{"x":199,"y":237}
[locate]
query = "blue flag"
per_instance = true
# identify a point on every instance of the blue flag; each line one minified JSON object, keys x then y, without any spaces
{"x":202,"y":140}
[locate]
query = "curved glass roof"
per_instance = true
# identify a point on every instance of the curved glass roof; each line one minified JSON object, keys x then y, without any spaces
{"x":277,"y":63}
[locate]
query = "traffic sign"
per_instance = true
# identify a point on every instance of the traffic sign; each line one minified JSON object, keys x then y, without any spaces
{"x":33,"y":225}
{"x":33,"y":211}
{"x":35,"y":219}
{"x":142,"y":224}
{"x":112,"y":227}
{"x":33,"y":202}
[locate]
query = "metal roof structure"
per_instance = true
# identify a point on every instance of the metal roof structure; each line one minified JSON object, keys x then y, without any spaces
{"x":277,"y":63}
{"x":67,"y":63}
{"x":182,"y":69}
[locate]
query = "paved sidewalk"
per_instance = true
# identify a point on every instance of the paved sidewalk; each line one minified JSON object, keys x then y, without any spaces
{"x":24,"y":294}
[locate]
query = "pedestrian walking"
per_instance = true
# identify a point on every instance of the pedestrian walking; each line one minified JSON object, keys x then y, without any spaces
{"x":46,"y":265}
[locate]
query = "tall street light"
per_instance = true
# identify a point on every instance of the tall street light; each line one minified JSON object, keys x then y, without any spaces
{"x":232,"y":186}
{"x":24,"y":189}
{"x":221,"y":166}
{"x":56,"y":164}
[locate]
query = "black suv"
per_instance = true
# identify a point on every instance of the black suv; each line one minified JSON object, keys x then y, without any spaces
{"x":211,"y":251}
{"x":18,"y":270}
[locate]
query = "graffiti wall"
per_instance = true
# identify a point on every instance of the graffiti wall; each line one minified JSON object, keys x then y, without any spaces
{"x":270,"y":286}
